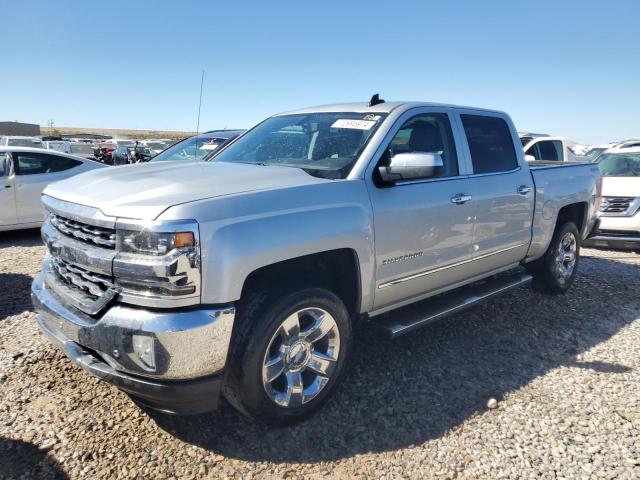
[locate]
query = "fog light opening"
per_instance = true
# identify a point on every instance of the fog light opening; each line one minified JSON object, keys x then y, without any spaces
{"x":143,"y":347}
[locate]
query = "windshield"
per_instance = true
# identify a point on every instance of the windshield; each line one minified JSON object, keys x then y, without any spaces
{"x":192,"y":148}
{"x":125,"y":143}
{"x":620,"y":164}
{"x":324,"y":145}
{"x":24,"y":142}
{"x":156,"y":145}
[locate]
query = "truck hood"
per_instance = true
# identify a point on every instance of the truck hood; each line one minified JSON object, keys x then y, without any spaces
{"x":621,"y":186}
{"x":144,"y":191}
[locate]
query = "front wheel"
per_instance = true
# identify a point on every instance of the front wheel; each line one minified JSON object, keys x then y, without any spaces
{"x":288,"y":354}
{"x":555,"y":272}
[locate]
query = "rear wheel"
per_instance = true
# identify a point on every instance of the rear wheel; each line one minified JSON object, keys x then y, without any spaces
{"x":288,"y":354}
{"x":555,"y":272}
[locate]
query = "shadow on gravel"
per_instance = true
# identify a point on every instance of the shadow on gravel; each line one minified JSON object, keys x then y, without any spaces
{"x":20,"y":238}
{"x":421,"y":386}
{"x":15,"y":294}
{"x":19,"y":460}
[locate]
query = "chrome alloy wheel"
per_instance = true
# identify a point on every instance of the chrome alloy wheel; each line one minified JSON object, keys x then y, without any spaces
{"x":301,"y":357}
{"x":565,"y":260}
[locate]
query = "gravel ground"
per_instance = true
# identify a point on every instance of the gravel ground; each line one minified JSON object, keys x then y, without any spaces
{"x":564,"y":372}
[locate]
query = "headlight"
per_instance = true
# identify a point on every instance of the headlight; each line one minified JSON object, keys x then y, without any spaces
{"x":153,"y":243}
{"x":158,"y":263}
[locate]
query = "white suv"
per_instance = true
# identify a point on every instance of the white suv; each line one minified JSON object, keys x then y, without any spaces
{"x":619,"y":226}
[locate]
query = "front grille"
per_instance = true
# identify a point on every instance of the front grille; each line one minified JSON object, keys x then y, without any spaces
{"x":616,"y":204}
{"x":101,"y":236}
{"x":91,"y":283}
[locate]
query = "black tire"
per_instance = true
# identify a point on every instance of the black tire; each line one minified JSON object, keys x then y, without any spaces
{"x":544,"y":270}
{"x":258,"y":321}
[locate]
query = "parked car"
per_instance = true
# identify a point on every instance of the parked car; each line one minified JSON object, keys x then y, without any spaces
{"x":130,"y":154}
{"x":84,"y":150}
{"x":20,"y":141}
{"x":619,"y":222}
{"x":245,"y":274}
{"x":546,"y":148}
{"x":24,"y":173}
{"x":154,"y":146}
{"x":198,"y":147}
{"x":57,"y":145}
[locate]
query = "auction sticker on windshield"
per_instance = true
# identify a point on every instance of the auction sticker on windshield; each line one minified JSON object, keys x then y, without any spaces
{"x":355,"y":124}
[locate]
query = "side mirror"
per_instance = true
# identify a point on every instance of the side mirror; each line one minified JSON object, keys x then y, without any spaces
{"x":412,"y":166}
{"x":530,"y":158}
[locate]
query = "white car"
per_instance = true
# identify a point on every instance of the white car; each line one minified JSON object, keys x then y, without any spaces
{"x":20,"y":141}
{"x":546,"y":148}
{"x":619,"y":219}
{"x":24,"y":173}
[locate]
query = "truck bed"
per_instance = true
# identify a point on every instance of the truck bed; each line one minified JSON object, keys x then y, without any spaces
{"x":558,"y":184}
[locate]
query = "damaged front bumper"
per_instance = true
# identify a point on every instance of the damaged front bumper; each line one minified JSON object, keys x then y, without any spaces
{"x":170,"y":360}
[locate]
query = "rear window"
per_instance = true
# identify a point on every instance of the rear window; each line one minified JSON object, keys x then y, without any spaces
{"x":490,"y":144}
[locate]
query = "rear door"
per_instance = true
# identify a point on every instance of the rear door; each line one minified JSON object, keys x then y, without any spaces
{"x":422,"y":237}
{"x":33,"y":172}
{"x":501,"y":188}
{"x":7,"y":192}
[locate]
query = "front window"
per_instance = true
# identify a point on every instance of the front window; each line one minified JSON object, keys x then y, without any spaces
{"x":324,"y":145}
{"x":620,"y":164}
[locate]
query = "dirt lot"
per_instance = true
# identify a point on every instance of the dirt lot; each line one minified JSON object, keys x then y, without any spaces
{"x":565,"y":372}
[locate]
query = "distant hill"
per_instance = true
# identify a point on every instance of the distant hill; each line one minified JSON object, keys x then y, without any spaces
{"x":117,"y":132}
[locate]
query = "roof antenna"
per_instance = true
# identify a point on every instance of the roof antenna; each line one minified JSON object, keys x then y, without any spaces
{"x":375,"y":100}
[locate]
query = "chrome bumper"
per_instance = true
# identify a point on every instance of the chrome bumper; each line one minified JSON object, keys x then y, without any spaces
{"x":186,"y":343}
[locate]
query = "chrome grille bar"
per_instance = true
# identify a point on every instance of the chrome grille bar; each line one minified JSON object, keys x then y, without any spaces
{"x":104,"y":237}
{"x":92,"y":283}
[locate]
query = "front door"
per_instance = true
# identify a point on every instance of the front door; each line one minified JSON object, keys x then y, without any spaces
{"x":33,"y":172}
{"x":423,"y":228}
{"x":7,"y":192}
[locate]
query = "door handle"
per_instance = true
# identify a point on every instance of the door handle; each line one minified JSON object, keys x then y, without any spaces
{"x":523,"y":189}
{"x":7,"y":186}
{"x":460,"y":198}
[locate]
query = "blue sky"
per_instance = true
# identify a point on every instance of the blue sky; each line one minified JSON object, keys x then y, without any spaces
{"x":563,"y":67}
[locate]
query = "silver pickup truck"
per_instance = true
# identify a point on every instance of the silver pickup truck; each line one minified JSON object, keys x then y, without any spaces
{"x":246,"y":275}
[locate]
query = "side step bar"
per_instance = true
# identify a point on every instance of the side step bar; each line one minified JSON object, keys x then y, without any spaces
{"x":419,"y":314}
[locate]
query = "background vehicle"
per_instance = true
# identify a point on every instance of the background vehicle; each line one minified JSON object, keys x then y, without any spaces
{"x":84,"y":150}
{"x":17,"y":141}
{"x":546,"y":148}
{"x":592,"y":154}
{"x":130,"y":154}
{"x":25,"y":172}
{"x":199,"y":147}
{"x":154,"y":146}
{"x":245,"y":274}
{"x":57,"y":145}
{"x":619,"y":222}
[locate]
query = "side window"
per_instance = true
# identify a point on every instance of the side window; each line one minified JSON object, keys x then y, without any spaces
{"x":60,"y":164}
{"x":427,"y":133}
{"x":37,"y":163}
{"x":5,"y":165}
{"x":550,"y":150}
{"x":490,"y":144}
{"x":534,"y":151}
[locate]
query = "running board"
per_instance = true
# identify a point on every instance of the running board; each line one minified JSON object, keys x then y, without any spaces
{"x":406,"y":319}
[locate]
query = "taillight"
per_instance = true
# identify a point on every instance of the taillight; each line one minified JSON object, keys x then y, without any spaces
{"x":599,"y":199}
